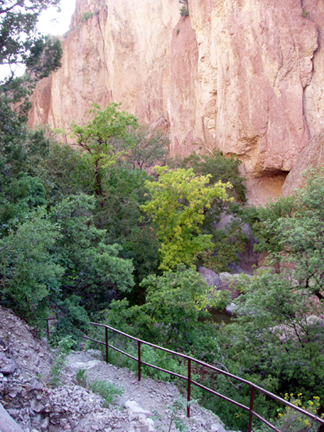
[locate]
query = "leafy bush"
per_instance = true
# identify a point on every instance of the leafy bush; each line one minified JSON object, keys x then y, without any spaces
{"x":28,"y":267}
{"x":219,"y":167}
{"x":72,"y":319}
{"x":184,"y":11}
{"x":108,"y":391}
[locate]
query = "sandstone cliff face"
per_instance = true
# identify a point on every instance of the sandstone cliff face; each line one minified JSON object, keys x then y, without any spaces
{"x":314,"y":93}
{"x":312,"y":155}
{"x":231,"y":76}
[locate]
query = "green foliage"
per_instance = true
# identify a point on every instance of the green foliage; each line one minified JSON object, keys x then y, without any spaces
{"x":278,"y":344}
{"x":28,"y":270}
{"x":171,"y":316}
{"x":64,"y":172}
{"x":279,"y":334}
{"x":18,"y":197}
{"x":96,"y":138}
{"x":119,"y":213}
{"x":178,"y":203}
{"x":176,"y":410}
{"x":81,"y":377}
{"x":20,"y":43}
{"x":93,"y":268}
{"x":72,"y":319}
{"x":305,"y":14}
{"x":86,"y":16}
{"x":176,"y":300}
{"x":289,"y":419}
{"x":227,"y":242}
{"x":18,"y":28}
{"x":184,"y":11}
{"x":44,"y":58}
{"x":225,"y":169}
{"x":59,"y":361}
{"x":151,"y":148}
{"x":263,"y":221}
{"x":107,"y":391}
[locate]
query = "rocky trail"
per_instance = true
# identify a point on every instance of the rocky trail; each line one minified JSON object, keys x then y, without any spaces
{"x":30,"y":404}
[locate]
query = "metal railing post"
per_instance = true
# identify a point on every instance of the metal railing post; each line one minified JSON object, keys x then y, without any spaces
{"x":106,"y":344}
{"x":189,"y":388}
{"x":139,"y":359}
{"x":253,"y":387}
{"x":251,"y":408}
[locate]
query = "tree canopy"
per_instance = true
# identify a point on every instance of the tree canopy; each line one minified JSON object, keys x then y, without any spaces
{"x":179,"y":200}
{"x":18,"y":35}
{"x":98,"y":136}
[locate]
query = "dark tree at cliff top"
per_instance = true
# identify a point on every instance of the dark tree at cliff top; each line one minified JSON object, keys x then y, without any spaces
{"x":18,"y":19}
{"x":20,"y":43}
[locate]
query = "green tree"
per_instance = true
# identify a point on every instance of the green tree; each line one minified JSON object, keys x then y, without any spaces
{"x":97,"y":138}
{"x":230,"y":241}
{"x":151,"y":148}
{"x":176,"y":300}
{"x":64,"y":172}
{"x":45,"y":57}
{"x":20,"y":189}
{"x":172,"y":314}
{"x":20,"y":43}
{"x":279,"y":332}
{"x":28,"y":269}
{"x":184,"y":11}
{"x":179,"y":201}
{"x":94,"y":269}
{"x":219,"y":167}
{"x":18,"y":19}
{"x":119,"y":213}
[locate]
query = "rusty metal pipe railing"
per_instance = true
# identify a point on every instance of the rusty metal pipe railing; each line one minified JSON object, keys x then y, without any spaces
{"x":190,"y":382}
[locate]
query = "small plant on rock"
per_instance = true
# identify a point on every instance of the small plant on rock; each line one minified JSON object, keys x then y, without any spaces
{"x":176,"y":418}
{"x":184,"y":11}
{"x":81,"y":377}
{"x":108,"y":391}
{"x":86,"y":16}
{"x":59,"y":362}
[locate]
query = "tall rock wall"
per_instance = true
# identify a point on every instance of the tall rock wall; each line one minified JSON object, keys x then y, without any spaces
{"x":243,"y":76}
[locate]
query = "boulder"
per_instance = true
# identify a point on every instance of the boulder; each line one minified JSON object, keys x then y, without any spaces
{"x":7,"y":424}
{"x":210,"y":277}
{"x":7,"y":365}
{"x":134,"y":408}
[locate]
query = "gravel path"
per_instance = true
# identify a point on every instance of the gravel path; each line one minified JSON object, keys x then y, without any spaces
{"x":36,"y":406}
{"x":152,"y":396}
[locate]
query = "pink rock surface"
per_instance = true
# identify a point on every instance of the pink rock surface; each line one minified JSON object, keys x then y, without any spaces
{"x":312,"y":155}
{"x":231,"y":76}
{"x":314,"y":92}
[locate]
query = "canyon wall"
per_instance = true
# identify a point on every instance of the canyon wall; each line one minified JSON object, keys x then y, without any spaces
{"x":243,"y":76}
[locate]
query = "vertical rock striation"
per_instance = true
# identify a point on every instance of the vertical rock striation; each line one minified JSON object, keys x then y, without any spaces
{"x":231,"y":76}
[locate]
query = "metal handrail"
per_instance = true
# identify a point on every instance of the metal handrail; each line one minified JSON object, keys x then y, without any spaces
{"x":190,"y":359}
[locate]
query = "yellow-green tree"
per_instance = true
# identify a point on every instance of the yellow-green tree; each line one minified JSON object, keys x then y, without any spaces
{"x":179,"y":201}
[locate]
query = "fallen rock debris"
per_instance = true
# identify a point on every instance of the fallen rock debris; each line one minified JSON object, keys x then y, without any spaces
{"x":34,"y":406}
